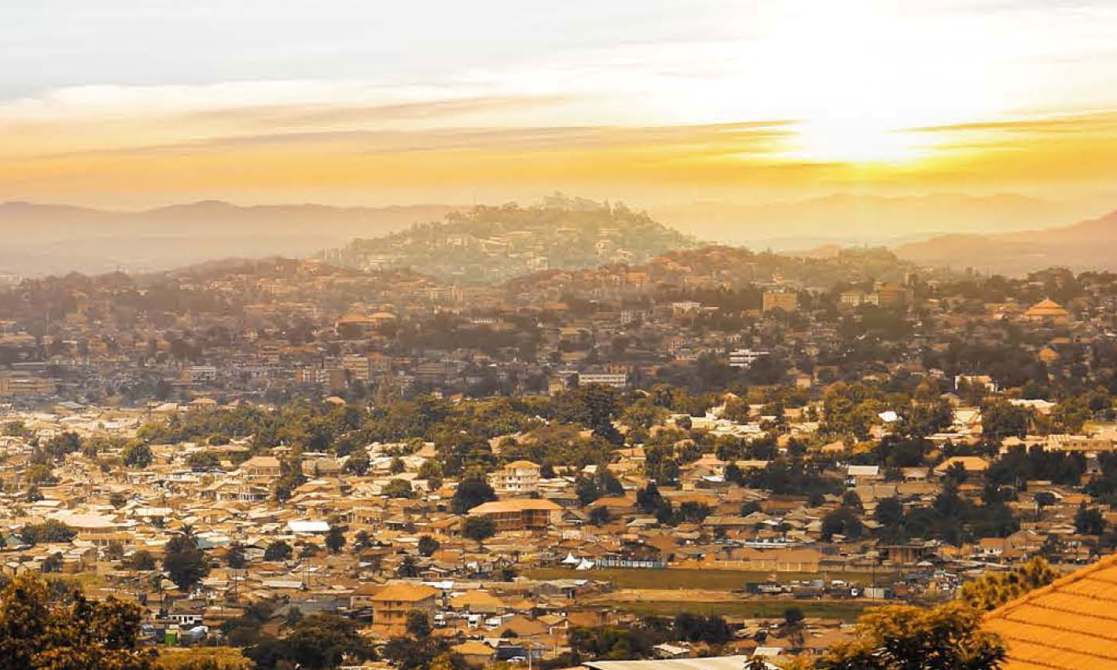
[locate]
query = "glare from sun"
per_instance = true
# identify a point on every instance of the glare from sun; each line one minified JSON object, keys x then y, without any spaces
{"x":855,"y":141}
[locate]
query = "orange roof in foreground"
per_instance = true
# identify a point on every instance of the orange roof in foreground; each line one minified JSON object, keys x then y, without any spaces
{"x":1069,"y":624}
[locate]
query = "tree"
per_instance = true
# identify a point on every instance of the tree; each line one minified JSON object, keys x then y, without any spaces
{"x":316,"y":642}
{"x":38,"y":632}
{"x":599,"y":516}
{"x":398,"y":488}
{"x":361,"y":541}
{"x":1089,"y":521}
{"x":994,"y":589}
{"x":335,"y":539}
{"x":1001,"y":419}
{"x":428,"y":545}
{"x":137,"y":455}
{"x":357,"y":463}
{"x":141,"y":560}
{"x":184,"y":562}
{"x":793,"y":624}
{"x":478,"y":528}
{"x":841,"y":521}
{"x":889,"y":514}
{"x":277,"y":551}
{"x":114,"y":551}
{"x":234,"y":556}
{"x":408,"y":567}
{"x":418,"y":624}
{"x":947,"y":637}
{"x":1043,"y":499}
{"x":470,"y":493}
{"x":47,"y":532}
{"x":792,"y":616}
{"x":586,"y":489}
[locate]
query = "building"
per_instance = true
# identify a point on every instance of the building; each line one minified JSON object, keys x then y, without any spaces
{"x":356,"y":367}
{"x":23,"y":385}
{"x":787,"y":301}
{"x":892,"y":295}
{"x":261,"y":467}
{"x":391,"y":604}
{"x":1047,"y":311}
{"x":1082,"y":443}
{"x":201,"y":374}
{"x":744,"y":358}
{"x":519,"y":514}
{"x":516,"y":478}
{"x":1068,"y":624}
{"x":94,"y":528}
{"x":615,"y":379}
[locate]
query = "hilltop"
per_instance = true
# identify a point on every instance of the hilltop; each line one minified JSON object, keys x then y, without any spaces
{"x":491,"y":244}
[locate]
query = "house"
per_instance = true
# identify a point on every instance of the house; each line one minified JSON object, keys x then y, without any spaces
{"x":392,"y":603}
{"x":261,"y":468}
{"x":519,"y":514}
{"x":970,"y":464}
{"x":516,"y":478}
{"x":1047,"y":311}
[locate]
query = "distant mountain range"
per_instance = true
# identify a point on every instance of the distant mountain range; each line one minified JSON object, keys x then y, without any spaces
{"x":55,"y":239}
{"x":1087,"y":245}
{"x":1002,"y":233}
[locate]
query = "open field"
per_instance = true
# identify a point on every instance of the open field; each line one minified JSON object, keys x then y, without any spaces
{"x":715,"y":580}
{"x":225,"y":658}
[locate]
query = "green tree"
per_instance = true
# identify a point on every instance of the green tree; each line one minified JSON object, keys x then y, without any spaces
{"x":398,"y":488}
{"x":141,"y":560}
{"x":335,"y":539}
{"x":184,"y":562}
{"x":418,"y":624}
{"x":357,"y":463}
{"x":277,"y":551}
{"x":947,"y":637}
{"x":137,"y":455}
{"x":47,"y":532}
{"x":234,"y":556}
{"x":478,"y":528}
{"x":1089,"y":521}
{"x":427,"y":545}
{"x":471,"y":492}
{"x":994,"y":589}
{"x":38,"y":632}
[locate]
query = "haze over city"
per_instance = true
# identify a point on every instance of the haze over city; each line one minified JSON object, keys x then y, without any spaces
{"x":660,"y":335}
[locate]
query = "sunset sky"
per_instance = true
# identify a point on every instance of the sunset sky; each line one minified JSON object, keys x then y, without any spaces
{"x":131,"y":104}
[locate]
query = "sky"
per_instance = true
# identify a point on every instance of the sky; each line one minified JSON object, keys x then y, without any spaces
{"x":132,"y":104}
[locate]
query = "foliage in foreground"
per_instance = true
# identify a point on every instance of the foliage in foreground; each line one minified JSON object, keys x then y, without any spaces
{"x":38,"y":632}
{"x":904,"y":637}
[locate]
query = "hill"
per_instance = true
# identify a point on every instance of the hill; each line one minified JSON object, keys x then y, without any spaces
{"x":45,"y":239}
{"x":1087,"y":245}
{"x":491,"y":244}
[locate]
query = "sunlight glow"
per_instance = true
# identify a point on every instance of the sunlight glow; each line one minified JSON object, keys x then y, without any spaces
{"x":856,"y":141}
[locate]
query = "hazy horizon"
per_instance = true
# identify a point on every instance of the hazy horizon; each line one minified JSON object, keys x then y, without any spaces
{"x":103,"y":105}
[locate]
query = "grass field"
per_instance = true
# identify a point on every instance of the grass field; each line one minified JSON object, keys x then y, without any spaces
{"x":226,"y":658}
{"x":830,"y":609}
{"x":714,"y":580}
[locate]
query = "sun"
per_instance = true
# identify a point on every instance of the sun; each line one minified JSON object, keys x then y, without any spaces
{"x":858,"y":141}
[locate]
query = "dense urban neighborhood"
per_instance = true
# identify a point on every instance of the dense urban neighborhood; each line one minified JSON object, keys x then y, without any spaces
{"x":713,"y":452}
